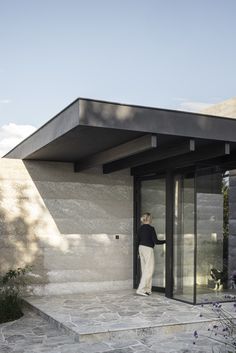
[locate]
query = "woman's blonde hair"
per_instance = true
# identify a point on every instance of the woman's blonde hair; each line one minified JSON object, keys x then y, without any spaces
{"x":145,"y":217}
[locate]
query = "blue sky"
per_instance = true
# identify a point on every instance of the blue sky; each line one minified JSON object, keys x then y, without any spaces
{"x":178,"y":54}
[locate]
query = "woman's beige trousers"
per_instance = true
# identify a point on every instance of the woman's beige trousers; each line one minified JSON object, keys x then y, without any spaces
{"x":147,"y":267}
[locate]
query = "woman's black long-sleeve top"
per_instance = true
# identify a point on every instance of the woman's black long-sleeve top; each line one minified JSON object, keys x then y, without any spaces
{"x":147,"y":236}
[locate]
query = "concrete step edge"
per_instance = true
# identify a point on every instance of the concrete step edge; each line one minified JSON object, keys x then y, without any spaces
{"x":55,"y":323}
{"x":119,"y":333}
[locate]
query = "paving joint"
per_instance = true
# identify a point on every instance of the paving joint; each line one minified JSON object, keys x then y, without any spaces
{"x":89,"y":318}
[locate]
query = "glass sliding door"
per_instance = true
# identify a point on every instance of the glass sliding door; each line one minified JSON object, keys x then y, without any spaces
{"x":153,"y":200}
{"x":201,"y":228}
{"x":202,"y":264}
{"x":184,"y":238}
{"x":212,"y":260}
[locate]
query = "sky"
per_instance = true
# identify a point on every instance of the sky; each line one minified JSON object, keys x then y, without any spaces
{"x":175,"y":54}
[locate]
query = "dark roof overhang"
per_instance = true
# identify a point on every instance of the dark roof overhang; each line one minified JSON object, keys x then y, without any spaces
{"x":90,"y":132}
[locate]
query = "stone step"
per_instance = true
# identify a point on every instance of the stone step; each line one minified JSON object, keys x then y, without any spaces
{"x":51,"y":320}
{"x":119,"y":331}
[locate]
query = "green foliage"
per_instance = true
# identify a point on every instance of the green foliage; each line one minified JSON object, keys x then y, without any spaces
{"x":11,"y":284}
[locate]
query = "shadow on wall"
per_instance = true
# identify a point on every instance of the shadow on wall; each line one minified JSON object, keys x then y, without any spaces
{"x":84,"y":211}
{"x":19,"y":219}
{"x":83,"y":203}
{"x":64,"y":225}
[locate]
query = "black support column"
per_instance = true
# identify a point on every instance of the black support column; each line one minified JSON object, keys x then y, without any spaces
{"x":136,"y":224}
{"x":169,"y":232}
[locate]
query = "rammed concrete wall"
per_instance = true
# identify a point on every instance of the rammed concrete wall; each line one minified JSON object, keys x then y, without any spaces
{"x":64,"y":224}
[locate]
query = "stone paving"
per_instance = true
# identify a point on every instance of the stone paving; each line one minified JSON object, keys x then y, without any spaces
{"x":116,"y":314}
{"x":33,"y":333}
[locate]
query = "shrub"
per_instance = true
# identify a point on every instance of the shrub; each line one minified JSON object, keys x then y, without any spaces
{"x":11,"y":285}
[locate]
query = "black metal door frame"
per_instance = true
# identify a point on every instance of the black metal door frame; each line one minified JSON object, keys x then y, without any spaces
{"x":169,"y":230}
{"x":185,"y":173}
{"x":169,"y":174}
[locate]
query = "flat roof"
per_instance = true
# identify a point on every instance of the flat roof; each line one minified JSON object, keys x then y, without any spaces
{"x":87,"y":127}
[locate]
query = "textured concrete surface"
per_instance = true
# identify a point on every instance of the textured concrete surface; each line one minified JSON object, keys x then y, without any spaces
{"x":57,"y":221}
{"x":34,"y":334}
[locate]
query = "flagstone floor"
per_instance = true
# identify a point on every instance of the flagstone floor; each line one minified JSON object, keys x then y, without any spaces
{"x":95,"y":313}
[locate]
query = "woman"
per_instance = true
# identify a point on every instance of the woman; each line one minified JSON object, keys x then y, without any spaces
{"x":147,"y":239}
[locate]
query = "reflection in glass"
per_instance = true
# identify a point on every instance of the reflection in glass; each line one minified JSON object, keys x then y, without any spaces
{"x":183,"y":239}
{"x":153,"y":200}
{"x":212,"y":188}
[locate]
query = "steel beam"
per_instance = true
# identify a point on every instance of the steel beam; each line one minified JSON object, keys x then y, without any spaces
{"x":124,"y":150}
{"x":156,"y":154}
{"x":202,"y":154}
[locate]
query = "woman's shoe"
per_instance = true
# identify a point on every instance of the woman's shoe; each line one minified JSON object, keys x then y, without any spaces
{"x":142,"y":293}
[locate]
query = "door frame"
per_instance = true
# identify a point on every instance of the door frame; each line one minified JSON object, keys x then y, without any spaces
{"x":168,"y":175}
{"x":183,"y":174}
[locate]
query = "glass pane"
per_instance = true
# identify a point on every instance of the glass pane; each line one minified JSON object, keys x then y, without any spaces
{"x":153,"y":200}
{"x":213,"y":262}
{"x":183,"y":239}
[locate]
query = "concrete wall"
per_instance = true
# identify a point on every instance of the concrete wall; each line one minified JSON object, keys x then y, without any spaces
{"x":64,"y":225}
